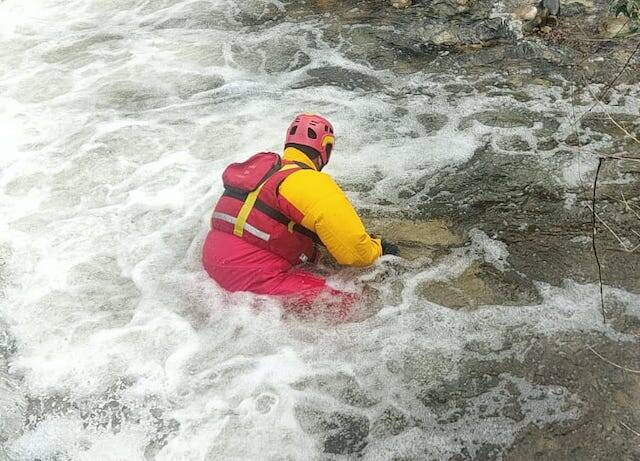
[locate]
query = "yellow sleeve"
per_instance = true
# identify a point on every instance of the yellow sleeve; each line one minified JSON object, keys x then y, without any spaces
{"x":328,"y":212}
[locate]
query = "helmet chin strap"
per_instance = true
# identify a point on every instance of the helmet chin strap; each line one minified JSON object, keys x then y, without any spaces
{"x":321,"y":164}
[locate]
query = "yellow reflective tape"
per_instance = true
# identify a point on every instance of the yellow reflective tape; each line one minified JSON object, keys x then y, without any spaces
{"x":328,"y":140}
{"x":243,"y":215}
{"x":289,"y":166}
{"x":290,"y":226}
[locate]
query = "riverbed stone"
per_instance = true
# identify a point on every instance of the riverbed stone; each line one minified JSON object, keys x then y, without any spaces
{"x":432,"y":122}
{"x":340,"y":386}
{"x":603,"y":123}
{"x":515,"y":199}
{"x":503,"y":118}
{"x":547,"y":144}
{"x":514,"y":143}
{"x":130,"y":96}
{"x":482,"y":284}
{"x":391,"y":422}
{"x":416,"y":238}
{"x":336,"y":76}
{"x":338,"y":432}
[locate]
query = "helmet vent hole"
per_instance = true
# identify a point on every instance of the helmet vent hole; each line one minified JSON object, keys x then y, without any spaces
{"x":293,"y":130}
{"x":312,"y":134}
{"x":330,"y":130}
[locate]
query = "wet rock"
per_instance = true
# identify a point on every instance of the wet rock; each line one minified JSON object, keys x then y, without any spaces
{"x":391,"y":422}
{"x":338,"y":432}
{"x":5,"y":255}
{"x":414,"y":237}
{"x":550,"y":126}
{"x":401,"y":3}
{"x":447,"y":8}
{"x":12,"y":405}
{"x":40,"y":407}
{"x":482,"y":284}
{"x":616,"y":27}
{"x":518,"y":201}
{"x":130,"y":96}
{"x":336,"y":76}
{"x":12,"y":399}
{"x":503,"y":118}
{"x":547,"y":144}
{"x":194,"y":15}
{"x":573,"y":9}
{"x":79,"y":50}
{"x":487,"y":31}
{"x":459,"y":88}
{"x":552,"y":6}
{"x":274,"y":54}
{"x":513,"y":143}
{"x":432,"y":122}
{"x":601,"y":123}
{"x":341,"y":386}
{"x":187,"y":85}
{"x":526,"y":12}
{"x":575,"y":140}
{"x":163,"y":428}
{"x":608,"y":396}
{"x":450,"y":395}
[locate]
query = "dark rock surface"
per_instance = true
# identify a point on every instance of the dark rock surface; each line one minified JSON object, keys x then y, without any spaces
{"x":515,"y":199}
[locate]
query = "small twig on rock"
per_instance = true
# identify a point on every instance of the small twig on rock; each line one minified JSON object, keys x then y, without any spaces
{"x":629,"y":429}
{"x":604,"y":223}
{"x":627,"y":206}
{"x":612,"y":82}
{"x":626,"y":64}
{"x":593,"y":238}
{"x":617,"y":157}
{"x":612,"y":363}
{"x":606,"y":112}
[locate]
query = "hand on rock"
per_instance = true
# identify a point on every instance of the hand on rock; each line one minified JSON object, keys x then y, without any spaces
{"x":389,"y":248}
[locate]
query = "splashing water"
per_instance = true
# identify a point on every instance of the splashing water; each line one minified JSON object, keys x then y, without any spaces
{"x":116,"y":120}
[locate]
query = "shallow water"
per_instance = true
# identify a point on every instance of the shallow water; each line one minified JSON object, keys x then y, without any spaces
{"x":117,"y":119}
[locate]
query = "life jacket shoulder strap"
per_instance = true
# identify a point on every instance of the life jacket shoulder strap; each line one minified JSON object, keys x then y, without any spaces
{"x":251,"y":200}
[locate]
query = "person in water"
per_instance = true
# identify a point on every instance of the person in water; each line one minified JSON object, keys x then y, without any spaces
{"x":275,"y":211}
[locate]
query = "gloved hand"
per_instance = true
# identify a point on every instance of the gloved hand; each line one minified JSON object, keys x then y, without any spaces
{"x":389,"y":248}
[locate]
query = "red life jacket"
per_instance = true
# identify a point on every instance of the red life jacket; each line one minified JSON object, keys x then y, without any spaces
{"x":249,"y":208}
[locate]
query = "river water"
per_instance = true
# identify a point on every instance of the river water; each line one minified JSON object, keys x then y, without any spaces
{"x":117,"y":119}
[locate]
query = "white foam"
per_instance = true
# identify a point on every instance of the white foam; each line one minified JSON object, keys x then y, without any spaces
{"x":107,"y":180}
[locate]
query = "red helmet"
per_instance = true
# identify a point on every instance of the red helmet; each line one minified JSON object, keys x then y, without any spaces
{"x":313,"y":135}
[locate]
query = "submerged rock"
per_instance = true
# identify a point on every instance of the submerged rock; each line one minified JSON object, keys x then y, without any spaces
{"x":13,"y":404}
{"x":482,"y":284}
{"x":336,"y":76}
{"x":338,"y":432}
{"x":432,"y":122}
{"x":391,"y":422}
{"x":503,"y":118}
{"x":341,"y":386}
{"x":401,"y":3}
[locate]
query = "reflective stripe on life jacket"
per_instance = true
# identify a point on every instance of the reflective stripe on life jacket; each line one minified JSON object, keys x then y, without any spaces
{"x":257,"y":218}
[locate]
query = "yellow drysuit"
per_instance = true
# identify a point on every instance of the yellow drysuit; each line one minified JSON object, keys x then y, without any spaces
{"x":328,"y":212}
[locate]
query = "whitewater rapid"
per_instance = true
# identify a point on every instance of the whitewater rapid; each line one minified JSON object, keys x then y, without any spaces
{"x":116,"y":121}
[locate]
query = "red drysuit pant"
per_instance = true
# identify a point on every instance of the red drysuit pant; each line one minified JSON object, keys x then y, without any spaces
{"x":240,"y":266}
